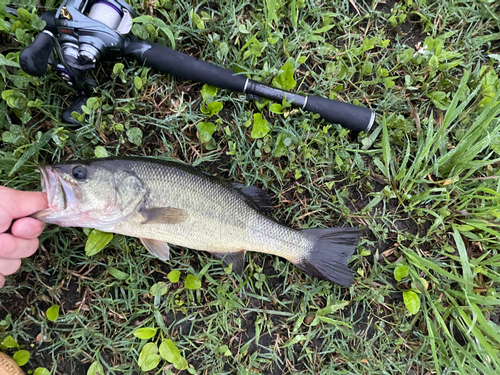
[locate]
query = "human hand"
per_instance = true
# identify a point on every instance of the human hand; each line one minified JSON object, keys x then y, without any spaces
{"x":22,"y":240}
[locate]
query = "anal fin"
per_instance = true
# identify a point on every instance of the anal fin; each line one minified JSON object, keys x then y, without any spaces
{"x":237,"y":259}
{"x":159,"y":249}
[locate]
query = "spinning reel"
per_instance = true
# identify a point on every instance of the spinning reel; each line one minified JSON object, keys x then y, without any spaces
{"x":82,"y":32}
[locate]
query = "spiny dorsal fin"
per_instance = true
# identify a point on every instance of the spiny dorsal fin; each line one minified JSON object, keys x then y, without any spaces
{"x":260,"y":198}
{"x":236,"y":259}
{"x":163,"y":215}
{"x":159,"y":249}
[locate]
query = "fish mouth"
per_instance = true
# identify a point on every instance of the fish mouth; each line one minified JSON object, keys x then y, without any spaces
{"x":47,"y":182}
{"x":60,"y":192}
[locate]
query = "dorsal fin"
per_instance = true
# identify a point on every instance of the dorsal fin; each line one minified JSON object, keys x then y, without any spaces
{"x":260,"y":198}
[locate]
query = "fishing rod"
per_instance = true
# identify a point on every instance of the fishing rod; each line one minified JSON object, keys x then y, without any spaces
{"x":82,"y":32}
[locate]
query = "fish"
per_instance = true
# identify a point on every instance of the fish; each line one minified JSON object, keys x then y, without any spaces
{"x":167,"y":203}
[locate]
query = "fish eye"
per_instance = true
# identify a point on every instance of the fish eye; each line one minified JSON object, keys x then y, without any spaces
{"x":79,"y":172}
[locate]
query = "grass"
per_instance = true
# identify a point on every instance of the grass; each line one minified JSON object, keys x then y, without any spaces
{"x":424,"y":183}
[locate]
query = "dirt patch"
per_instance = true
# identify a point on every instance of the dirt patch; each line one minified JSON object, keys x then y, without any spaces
{"x":410,"y":32}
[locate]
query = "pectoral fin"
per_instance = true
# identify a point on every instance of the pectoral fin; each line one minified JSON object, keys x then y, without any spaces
{"x":236,"y":259}
{"x":157,"y":248}
{"x":163,"y":215}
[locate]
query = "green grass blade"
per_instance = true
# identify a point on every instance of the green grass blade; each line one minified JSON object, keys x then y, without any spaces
{"x":464,"y":259}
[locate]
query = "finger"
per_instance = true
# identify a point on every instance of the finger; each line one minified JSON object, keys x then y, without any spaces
{"x":22,"y":203}
{"x":12,"y":247}
{"x":27,"y":227}
{"x":9,"y":266}
{"x":2,"y":281}
{"x":15,"y":204}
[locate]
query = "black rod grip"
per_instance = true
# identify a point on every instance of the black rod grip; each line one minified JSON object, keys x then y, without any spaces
{"x":35,"y":58}
{"x":350,"y":116}
{"x":167,"y":60}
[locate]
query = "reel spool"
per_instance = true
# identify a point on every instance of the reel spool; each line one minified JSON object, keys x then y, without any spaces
{"x":111,"y":14}
{"x":106,"y":13}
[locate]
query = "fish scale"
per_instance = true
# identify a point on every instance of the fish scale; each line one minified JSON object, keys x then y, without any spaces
{"x":219,"y":218}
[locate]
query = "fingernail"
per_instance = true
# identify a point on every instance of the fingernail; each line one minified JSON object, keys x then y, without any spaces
{"x":24,"y":230}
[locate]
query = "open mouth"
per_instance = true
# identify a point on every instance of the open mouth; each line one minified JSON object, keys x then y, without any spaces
{"x":49,"y":181}
{"x":59,"y":192}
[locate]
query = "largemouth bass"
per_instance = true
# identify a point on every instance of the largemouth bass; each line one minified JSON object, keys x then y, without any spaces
{"x":164,"y":203}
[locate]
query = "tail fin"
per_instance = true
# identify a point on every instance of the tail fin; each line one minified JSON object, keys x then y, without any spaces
{"x":333,"y":247}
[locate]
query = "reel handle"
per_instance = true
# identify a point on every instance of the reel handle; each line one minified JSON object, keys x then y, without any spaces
{"x":172,"y":62}
{"x":35,"y":58}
